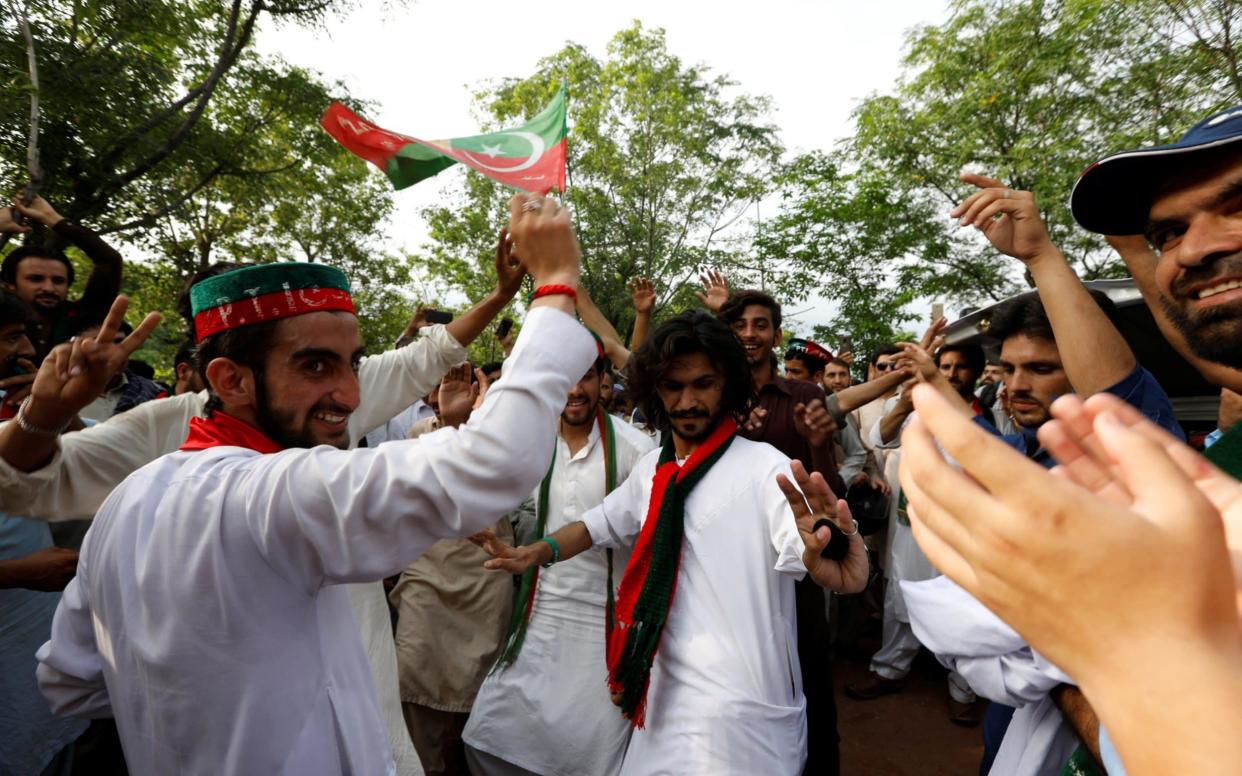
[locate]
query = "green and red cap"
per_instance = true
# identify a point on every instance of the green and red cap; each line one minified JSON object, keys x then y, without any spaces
{"x":266,"y":292}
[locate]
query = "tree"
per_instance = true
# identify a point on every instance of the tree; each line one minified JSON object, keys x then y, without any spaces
{"x":1030,"y":91}
{"x":664,"y":160}
{"x":163,"y":128}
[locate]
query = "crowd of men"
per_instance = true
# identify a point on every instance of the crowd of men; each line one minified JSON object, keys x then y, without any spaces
{"x":613,"y":554}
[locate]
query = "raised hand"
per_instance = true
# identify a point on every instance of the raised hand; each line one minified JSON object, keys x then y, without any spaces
{"x":811,"y":500}
{"x":642,"y":293}
{"x":457,"y":395}
{"x":756,"y":419}
{"x":543,"y":240}
{"x":814,"y":423}
{"x":715,"y":290}
{"x":509,"y":271}
{"x":1009,"y":219}
{"x":38,"y":210}
{"x":77,"y":372}
{"x":933,"y":338}
{"x":10,"y":222}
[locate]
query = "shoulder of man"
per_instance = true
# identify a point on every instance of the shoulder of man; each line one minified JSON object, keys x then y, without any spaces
{"x":632,"y":437}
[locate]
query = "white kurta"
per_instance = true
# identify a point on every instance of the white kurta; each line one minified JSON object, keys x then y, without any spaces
{"x":999,"y":665}
{"x":550,"y":711}
{"x":208,"y":616}
{"x":726,"y":691}
{"x":88,"y":464}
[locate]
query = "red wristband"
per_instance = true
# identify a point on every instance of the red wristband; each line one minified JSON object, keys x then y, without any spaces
{"x":554,"y":290}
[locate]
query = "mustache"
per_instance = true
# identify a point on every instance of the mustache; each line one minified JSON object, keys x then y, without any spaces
{"x":686,"y":414}
{"x":331,"y":408}
{"x":1213,"y":270}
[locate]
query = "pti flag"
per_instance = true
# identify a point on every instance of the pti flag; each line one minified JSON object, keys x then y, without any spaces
{"x":530,"y":157}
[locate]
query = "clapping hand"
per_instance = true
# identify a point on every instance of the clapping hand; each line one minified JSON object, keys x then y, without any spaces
{"x":509,"y":271}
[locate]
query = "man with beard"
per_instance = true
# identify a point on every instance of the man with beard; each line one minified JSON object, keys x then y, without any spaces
{"x":1056,"y":340}
{"x":69,"y":476}
{"x":792,"y":418}
{"x":208,"y":615}
{"x":701,"y":656}
{"x":1182,"y":201}
{"x":42,"y":276}
{"x":544,"y":708}
{"x":962,"y":366}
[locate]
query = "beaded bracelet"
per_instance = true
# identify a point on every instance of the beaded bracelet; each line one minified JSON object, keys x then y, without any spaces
{"x":556,"y":550}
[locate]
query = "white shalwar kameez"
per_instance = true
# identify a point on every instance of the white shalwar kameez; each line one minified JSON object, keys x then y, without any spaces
{"x":89,"y":464}
{"x":999,"y":665}
{"x":726,"y":691}
{"x":550,"y":711}
{"x":208,"y":614}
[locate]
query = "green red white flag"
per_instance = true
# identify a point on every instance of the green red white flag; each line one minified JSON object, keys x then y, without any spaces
{"x":530,"y":157}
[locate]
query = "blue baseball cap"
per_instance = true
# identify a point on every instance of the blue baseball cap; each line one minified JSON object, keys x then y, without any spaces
{"x":1114,"y":195}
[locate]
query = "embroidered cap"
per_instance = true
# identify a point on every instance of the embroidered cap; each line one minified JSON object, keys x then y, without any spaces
{"x":266,"y":292}
{"x":1113,"y":196}
{"x":798,"y":346}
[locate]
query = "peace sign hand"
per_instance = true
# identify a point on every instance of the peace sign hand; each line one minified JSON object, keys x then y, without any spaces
{"x":75,"y":373}
{"x":1009,"y":219}
{"x":811,"y":500}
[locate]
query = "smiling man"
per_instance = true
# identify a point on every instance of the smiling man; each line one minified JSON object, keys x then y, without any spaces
{"x":209,"y":615}
{"x":1185,"y":199}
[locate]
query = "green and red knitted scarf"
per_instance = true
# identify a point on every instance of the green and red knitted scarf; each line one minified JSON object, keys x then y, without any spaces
{"x":650,"y":579}
{"x":520,"y":618}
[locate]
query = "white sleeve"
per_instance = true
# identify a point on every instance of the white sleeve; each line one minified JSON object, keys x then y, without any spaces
{"x":616,"y":522}
{"x":89,"y":464}
{"x":325,"y":515}
{"x":391,"y":381}
{"x":782,"y":527}
{"x":70,"y":670}
{"x":877,"y":441}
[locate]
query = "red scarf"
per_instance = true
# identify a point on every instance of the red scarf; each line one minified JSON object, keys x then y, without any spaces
{"x":219,"y":429}
{"x":650,"y":580}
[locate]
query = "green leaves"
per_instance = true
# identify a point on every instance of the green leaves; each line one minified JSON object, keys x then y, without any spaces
{"x":664,"y":158}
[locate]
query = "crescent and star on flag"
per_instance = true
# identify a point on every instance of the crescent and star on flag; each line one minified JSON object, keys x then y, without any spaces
{"x":529,"y":157}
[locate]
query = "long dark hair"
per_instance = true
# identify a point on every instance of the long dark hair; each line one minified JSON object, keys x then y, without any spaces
{"x":691,"y":332}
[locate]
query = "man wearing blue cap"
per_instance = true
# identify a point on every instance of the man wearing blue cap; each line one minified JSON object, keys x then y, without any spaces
{"x":1184,"y":200}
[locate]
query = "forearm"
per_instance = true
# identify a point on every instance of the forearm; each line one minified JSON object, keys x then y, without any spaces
{"x":594,"y":320}
{"x":1189,"y":695}
{"x":104,"y":282}
{"x":1080,"y":716}
{"x":857,"y":396}
{"x":1094,"y":353}
{"x":642,"y":325}
{"x":573,"y":539}
{"x":25,"y":451}
{"x":891,"y":424}
{"x":471,"y":323}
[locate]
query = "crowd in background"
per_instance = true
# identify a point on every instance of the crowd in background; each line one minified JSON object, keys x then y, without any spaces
{"x":1016,"y":500}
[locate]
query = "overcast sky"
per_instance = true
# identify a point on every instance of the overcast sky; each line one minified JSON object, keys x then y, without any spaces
{"x":418,"y":63}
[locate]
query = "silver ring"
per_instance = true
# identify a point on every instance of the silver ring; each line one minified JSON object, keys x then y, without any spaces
{"x":1006,"y":194}
{"x":855,"y":531}
{"x":531,"y":205}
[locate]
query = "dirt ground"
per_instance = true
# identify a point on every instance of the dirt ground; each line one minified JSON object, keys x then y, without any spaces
{"x":907,"y":734}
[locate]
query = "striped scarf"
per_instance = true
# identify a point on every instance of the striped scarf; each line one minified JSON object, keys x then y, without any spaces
{"x":650,"y":579}
{"x":520,"y":618}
